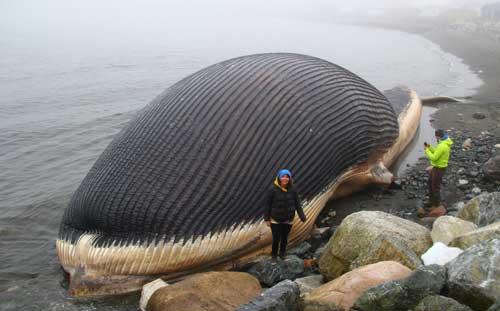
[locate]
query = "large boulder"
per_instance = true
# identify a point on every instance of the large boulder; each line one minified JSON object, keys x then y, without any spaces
{"x":353,"y":241}
{"x":341,"y":293}
{"x":406,"y":293}
{"x":284,"y":296}
{"x":387,"y":248}
{"x":482,"y":210}
{"x":491,"y":168}
{"x":270,"y":272}
{"x":474,"y":276}
{"x":477,"y":236}
{"x":211,"y":291}
{"x":440,"y":303}
{"x":446,"y":228}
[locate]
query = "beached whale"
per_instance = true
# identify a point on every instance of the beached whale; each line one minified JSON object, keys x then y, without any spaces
{"x":181,"y":189}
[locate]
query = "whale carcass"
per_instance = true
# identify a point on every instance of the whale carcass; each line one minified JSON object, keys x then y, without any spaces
{"x":181,"y":189}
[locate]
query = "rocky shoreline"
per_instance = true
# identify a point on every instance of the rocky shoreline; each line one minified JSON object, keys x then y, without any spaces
{"x":382,"y":256}
{"x":370,"y":251}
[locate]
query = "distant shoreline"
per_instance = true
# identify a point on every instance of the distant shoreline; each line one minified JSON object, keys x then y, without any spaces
{"x":478,"y":50}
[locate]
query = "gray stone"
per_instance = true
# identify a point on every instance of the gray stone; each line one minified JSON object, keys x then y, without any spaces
{"x":476,"y":191}
{"x":270,"y":272}
{"x":321,"y":231}
{"x":319,"y":251}
{"x":300,"y":249}
{"x":468,"y":239}
{"x":406,"y":293}
{"x":478,"y":115}
{"x":308,"y":283}
{"x":282,"y":297}
{"x":474,"y":276}
{"x":440,"y":303}
{"x":457,"y":206}
{"x":482,"y":210}
{"x":491,"y":168}
{"x":495,"y":307}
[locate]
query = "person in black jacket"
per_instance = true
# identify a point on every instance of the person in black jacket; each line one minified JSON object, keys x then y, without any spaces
{"x":282,"y":202}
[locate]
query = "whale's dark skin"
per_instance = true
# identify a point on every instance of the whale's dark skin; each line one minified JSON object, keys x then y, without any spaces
{"x":197,"y":161}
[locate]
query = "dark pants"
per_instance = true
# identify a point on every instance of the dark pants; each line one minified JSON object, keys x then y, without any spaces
{"x":434,"y":184}
{"x":280,"y":238}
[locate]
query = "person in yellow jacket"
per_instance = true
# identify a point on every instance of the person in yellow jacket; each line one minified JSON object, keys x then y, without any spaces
{"x":439,"y":157}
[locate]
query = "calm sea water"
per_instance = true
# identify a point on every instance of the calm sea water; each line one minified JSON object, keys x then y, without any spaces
{"x":68,"y":87}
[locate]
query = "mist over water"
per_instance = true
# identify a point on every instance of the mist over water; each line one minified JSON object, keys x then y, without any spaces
{"x":72,"y":74}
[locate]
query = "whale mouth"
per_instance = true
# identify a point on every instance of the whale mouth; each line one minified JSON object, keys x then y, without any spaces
{"x":381,"y":174}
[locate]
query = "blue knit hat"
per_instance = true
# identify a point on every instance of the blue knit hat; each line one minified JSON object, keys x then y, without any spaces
{"x":284,"y":172}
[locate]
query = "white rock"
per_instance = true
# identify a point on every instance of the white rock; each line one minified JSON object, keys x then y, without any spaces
{"x":148,"y":290}
{"x":497,"y":146}
{"x":476,"y":191}
{"x":462,"y":182}
{"x":467,"y":144}
{"x":320,"y":231}
{"x":440,"y":254}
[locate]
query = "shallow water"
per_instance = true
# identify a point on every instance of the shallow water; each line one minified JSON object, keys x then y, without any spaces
{"x":65,"y":94}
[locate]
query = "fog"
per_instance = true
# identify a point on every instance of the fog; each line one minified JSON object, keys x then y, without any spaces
{"x":72,"y":18}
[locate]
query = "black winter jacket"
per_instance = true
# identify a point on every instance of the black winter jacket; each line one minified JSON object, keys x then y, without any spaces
{"x":281,"y":205}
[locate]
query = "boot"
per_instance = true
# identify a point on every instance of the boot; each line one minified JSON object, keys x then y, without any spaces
{"x":432,"y":212}
{"x":437,"y":211}
{"x":422,"y":212}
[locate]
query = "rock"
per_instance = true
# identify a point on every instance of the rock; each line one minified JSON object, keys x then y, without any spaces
{"x":341,"y":293}
{"x":356,"y":234}
{"x":462,"y":183}
{"x":467,"y":144}
{"x":482,"y":210}
{"x":308,"y":283}
{"x":209,"y":291}
{"x":491,"y":168}
{"x":148,"y":290}
{"x":457,"y":206}
{"x":300,"y":249}
{"x":321,"y":231}
{"x":479,"y":115}
{"x":332,"y":214}
{"x":446,"y":228}
{"x":283,"y":296}
{"x":476,"y":191}
{"x":436,"y":302}
{"x":461,"y":171}
{"x":440,"y":254}
{"x":495,"y":307}
{"x":406,"y":293}
{"x":474,"y":174}
{"x":319,"y":251}
{"x":474,"y":276}
{"x":270,"y":272}
{"x":468,"y":239}
{"x":387,"y":248}
{"x":497,"y":146}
